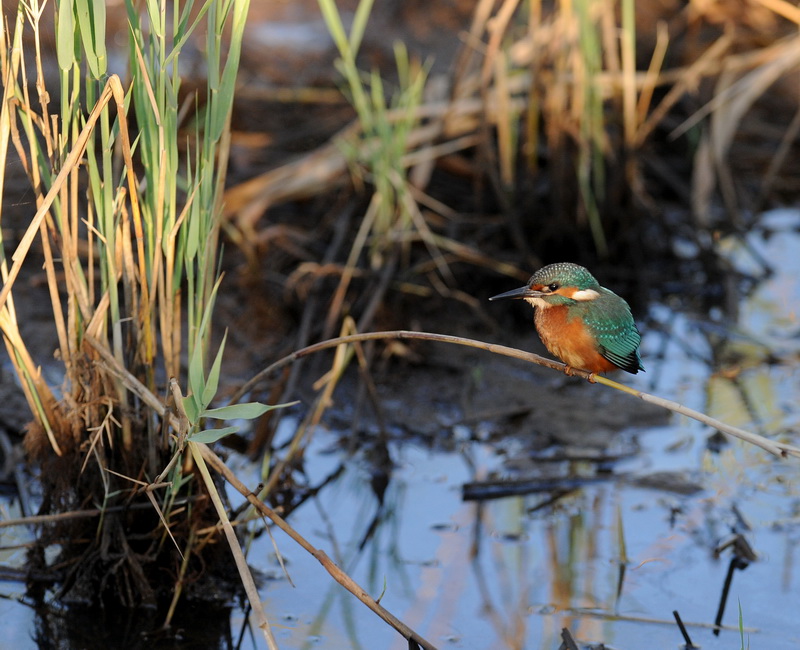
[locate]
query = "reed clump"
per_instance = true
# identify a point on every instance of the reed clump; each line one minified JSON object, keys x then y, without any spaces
{"x":128,"y":196}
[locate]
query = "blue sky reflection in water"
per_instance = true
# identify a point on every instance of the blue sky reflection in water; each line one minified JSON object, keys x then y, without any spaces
{"x":507,"y":574}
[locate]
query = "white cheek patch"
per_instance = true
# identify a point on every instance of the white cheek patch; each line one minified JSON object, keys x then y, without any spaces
{"x":538,"y":302}
{"x":585,"y":294}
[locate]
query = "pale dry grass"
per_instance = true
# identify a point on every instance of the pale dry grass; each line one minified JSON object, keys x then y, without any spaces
{"x":572,"y":89}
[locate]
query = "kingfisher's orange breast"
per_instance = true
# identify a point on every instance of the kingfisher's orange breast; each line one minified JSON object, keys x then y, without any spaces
{"x":569,"y":340}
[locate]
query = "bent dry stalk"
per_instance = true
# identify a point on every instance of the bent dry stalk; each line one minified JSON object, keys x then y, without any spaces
{"x":777,"y":448}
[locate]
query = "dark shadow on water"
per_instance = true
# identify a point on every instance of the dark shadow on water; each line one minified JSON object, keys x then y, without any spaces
{"x":196,"y":625}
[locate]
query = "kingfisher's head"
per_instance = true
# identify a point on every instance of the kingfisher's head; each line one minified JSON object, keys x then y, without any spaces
{"x":556,"y":284}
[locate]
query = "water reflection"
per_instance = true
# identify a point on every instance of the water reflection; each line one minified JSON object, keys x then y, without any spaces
{"x":610,"y":560}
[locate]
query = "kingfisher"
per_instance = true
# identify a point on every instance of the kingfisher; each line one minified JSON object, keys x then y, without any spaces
{"x":583,"y":324}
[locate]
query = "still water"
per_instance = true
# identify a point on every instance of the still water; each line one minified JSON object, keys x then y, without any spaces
{"x":610,"y":559}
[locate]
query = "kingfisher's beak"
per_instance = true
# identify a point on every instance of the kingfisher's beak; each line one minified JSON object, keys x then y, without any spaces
{"x":522,"y":292}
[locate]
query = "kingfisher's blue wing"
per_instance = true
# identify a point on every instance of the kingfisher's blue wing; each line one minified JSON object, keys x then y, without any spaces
{"x":612,"y":324}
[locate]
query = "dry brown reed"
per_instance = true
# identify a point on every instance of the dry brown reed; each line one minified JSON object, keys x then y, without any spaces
{"x":573,"y":90}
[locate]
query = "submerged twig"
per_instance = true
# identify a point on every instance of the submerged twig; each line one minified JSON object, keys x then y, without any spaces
{"x":777,"y":448}
{"x":684,"y":632}
{"x":651,"y":620}
{"x":36,"y":520}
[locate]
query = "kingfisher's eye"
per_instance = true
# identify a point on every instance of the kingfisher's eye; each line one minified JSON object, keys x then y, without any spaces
{"x":553,"y":286}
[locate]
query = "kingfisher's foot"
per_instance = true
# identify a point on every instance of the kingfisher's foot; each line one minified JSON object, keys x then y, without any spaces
{"x":569,"y":371}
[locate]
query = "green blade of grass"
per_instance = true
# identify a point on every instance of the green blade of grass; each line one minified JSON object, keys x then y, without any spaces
{"x":92,"y":21}
{"x":245,"y":411}
{"x":65,"y":34}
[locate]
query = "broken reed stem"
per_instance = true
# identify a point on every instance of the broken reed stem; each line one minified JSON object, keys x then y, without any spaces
{"x":330,"y":566}
{"x":197,"y":451}
{"x":774,"y":447}
{"x":779,"y":449}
